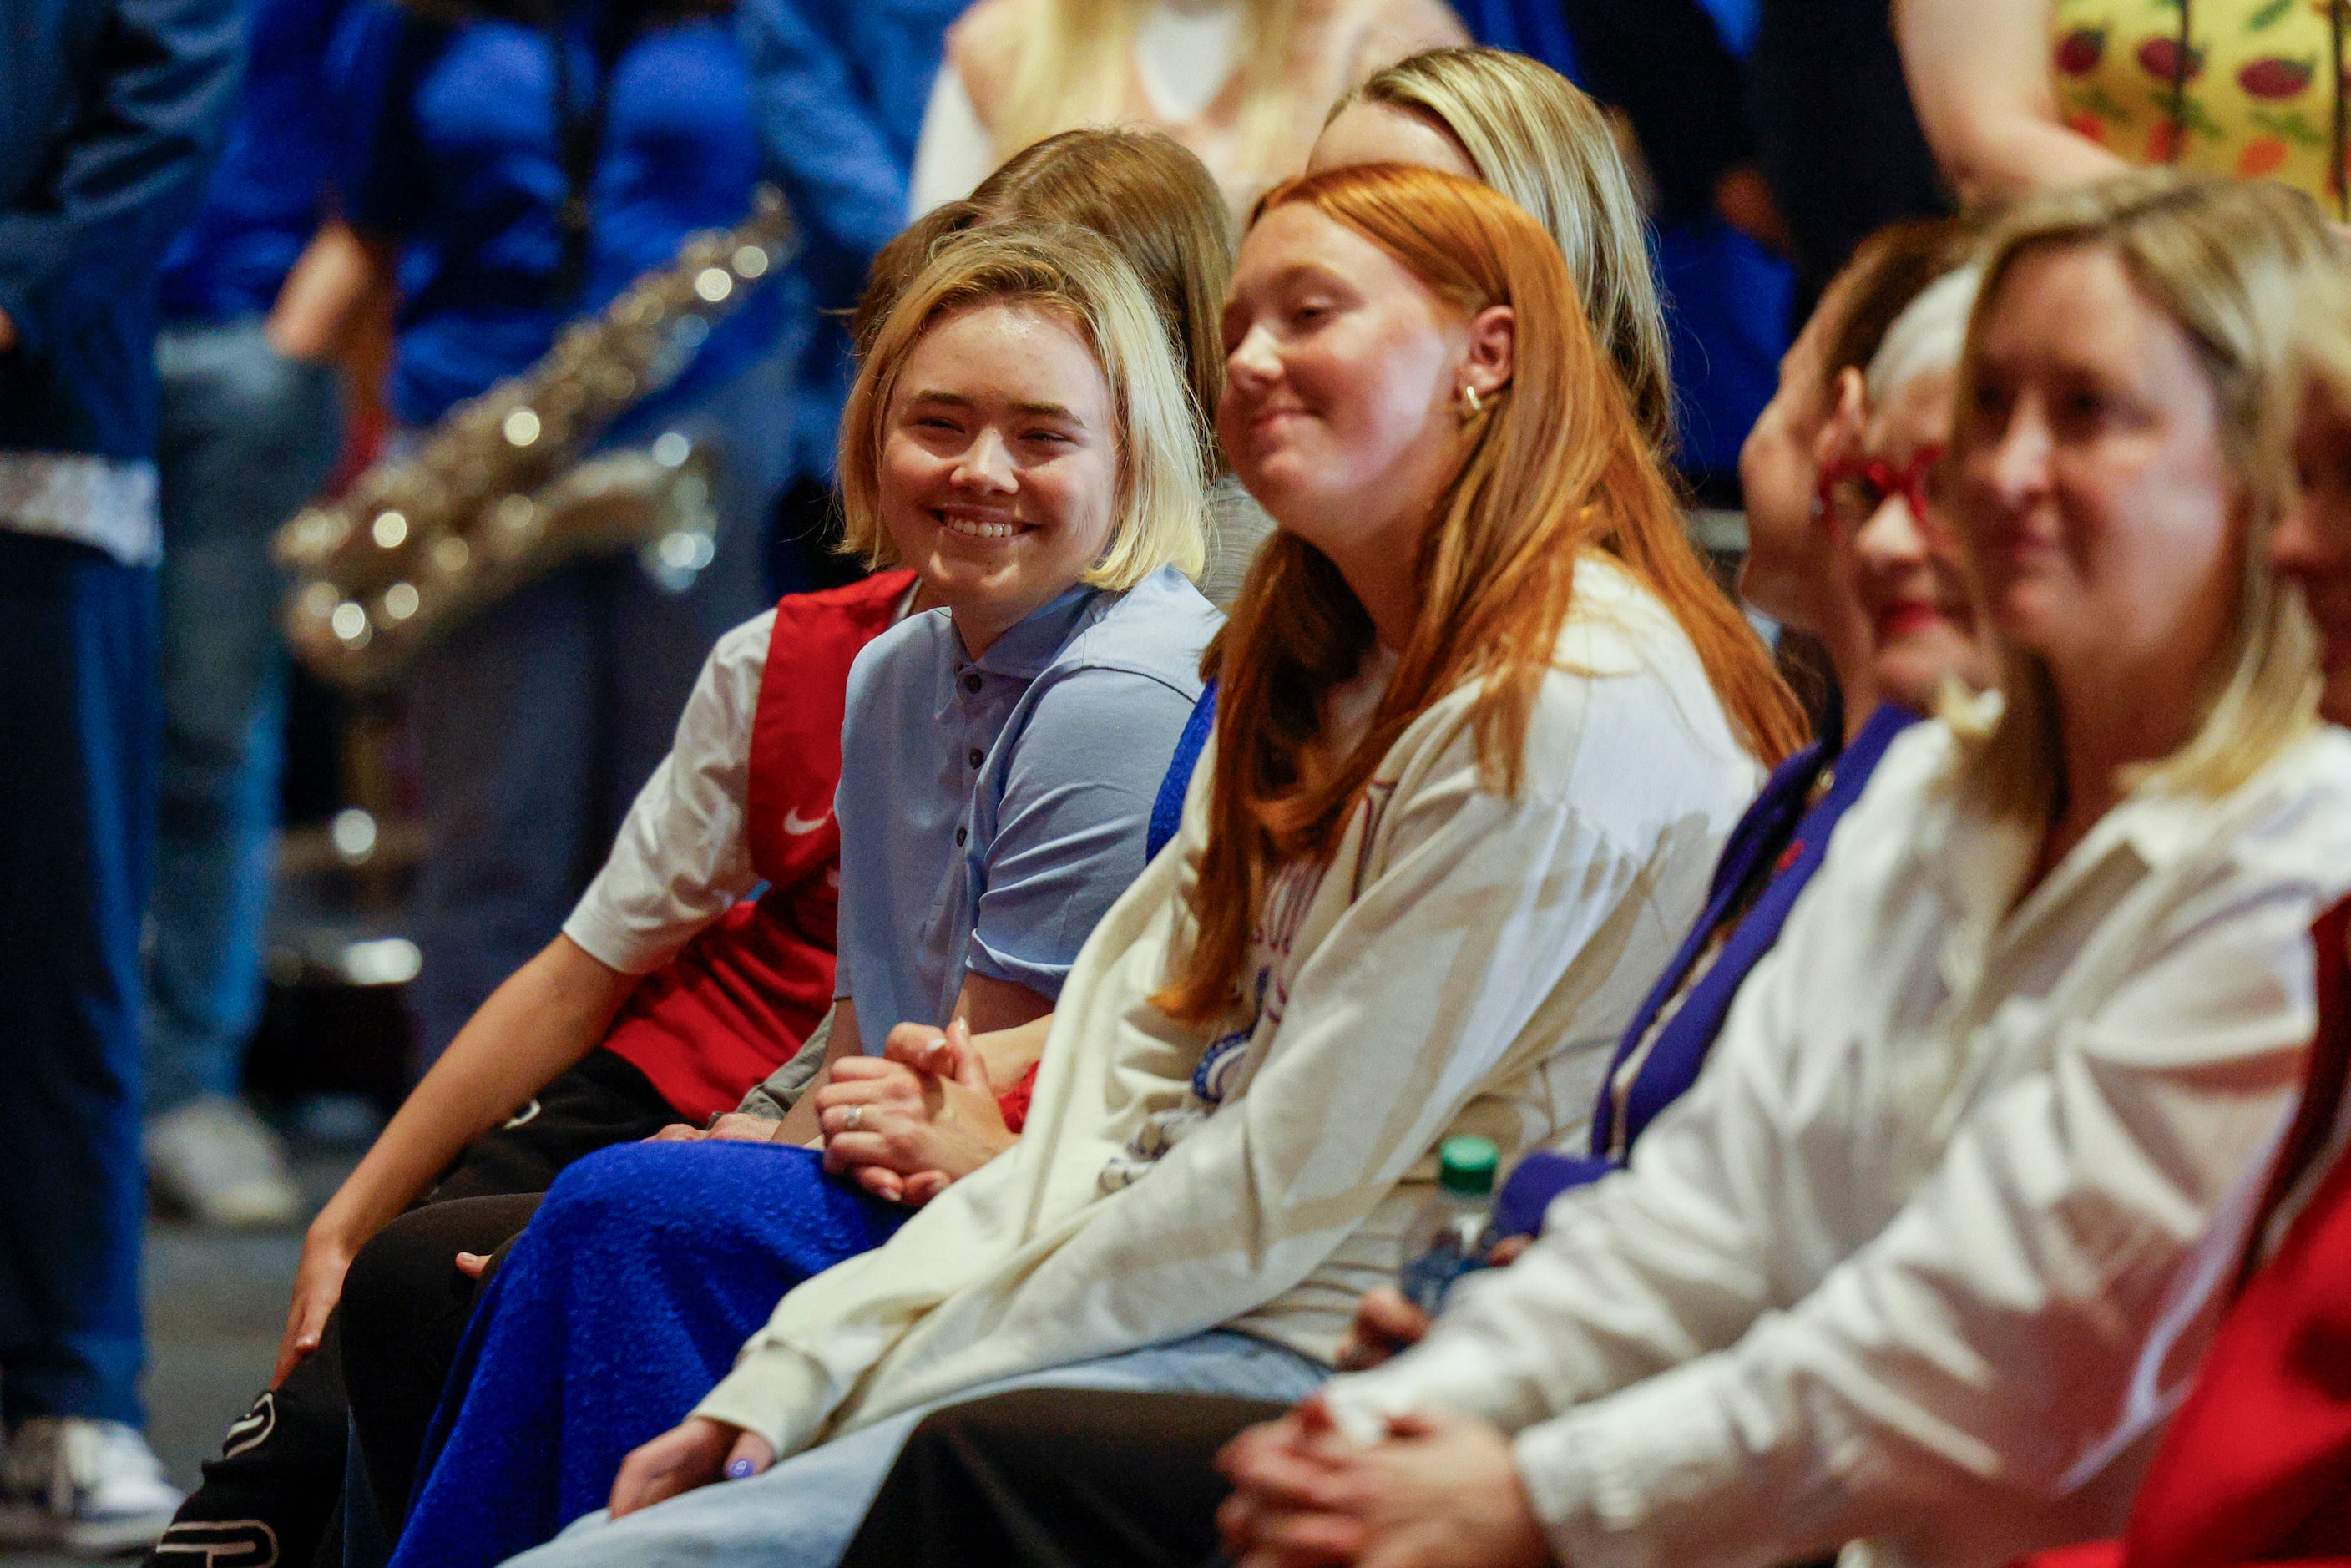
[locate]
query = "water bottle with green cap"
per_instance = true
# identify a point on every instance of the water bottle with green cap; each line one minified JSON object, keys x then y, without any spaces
{"x":1448,"y":1238}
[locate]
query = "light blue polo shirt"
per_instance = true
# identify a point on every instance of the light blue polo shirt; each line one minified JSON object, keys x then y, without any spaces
{"x":993,"y":809}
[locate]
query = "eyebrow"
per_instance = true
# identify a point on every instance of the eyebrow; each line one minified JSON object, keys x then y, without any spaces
{"x":956,"y":400}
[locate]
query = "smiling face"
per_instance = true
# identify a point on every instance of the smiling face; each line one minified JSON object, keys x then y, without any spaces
{"x":1911,"y":576}
{"x":1340,"y":381}
{"x":2314,"y":543}
{"x":998,"y":474}
{"x":2095,"y":491}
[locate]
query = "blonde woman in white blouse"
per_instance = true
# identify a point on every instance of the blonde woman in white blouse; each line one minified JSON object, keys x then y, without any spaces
{"x":1927,"y":1257}
{"x":1245,"y":84}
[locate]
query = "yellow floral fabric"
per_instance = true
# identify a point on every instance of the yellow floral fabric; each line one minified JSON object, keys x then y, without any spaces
{"x":2257,"y":94}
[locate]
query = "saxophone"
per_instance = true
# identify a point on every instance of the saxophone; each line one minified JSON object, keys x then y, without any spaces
{"x":498,"y":494}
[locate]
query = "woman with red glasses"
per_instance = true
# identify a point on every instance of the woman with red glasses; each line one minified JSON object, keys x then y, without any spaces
{"x":1877,"y":496}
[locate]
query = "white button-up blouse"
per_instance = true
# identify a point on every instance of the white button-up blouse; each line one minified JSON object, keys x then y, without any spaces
{"x":1927,"y":1255}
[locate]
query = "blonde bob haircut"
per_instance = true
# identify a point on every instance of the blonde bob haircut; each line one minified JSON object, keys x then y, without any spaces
{"x":1535,"y":137}
{"x":2226,"y":260}
{"x":1071,"y":273}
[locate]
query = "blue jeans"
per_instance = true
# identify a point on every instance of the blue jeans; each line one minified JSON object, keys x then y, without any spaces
{"x":802,"y":1513}
{"x":78,"y":716}
{"x":245,"y":437}
{"x":538,"y":721}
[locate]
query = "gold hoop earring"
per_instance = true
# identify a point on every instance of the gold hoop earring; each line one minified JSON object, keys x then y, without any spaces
{"x":1471,"y":404}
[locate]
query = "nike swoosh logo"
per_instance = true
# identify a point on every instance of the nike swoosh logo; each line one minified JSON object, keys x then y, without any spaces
{"x":796,"y":824}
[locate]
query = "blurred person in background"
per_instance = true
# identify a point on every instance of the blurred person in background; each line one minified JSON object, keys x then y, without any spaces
{"x":838,"y":91}
{"x":512,"y":165}
{"x":249,"y":431}
{"x":1245,"y":84}
{"x":2018,"y":96}
{"x":110,"y":112}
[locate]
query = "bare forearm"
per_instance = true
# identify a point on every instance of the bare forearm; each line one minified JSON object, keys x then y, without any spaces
{"x":546,"y":1016}
{"x":1979,"y":75}
{"x":1010,"y":1052}
{"x":799,"y":1124}
{"x":338,"y":278}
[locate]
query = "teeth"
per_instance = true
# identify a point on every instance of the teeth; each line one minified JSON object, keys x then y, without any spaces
{"x":973,"y":528}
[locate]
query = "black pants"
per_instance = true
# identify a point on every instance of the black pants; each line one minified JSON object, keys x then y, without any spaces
{"x":271,"y":1496}
{"x":1058,"y":1478}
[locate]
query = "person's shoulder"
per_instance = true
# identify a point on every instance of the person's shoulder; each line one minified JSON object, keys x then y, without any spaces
{"x":987,"y":37}
{"x":1157,"y":630}
{"x":2293,"y":816}
{"x":910,"y":650}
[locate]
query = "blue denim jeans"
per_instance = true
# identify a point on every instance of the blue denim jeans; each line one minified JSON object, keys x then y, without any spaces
{"x":246,"y":438}
{"x":77,"y":804}
{"x":802,"y":1513}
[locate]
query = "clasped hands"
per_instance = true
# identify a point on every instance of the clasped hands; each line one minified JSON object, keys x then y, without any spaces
{"x":903,"y":1126}
{"x":1435,"y":1490}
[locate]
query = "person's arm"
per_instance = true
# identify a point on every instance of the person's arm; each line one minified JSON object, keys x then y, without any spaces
{"x":338,"y":279}
{"x":128,"y":174}
{"x":1980,"y":79}
{"x":546,"y":1016}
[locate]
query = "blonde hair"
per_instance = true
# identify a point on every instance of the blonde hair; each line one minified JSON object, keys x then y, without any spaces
{"x":1072,"y":66}
{"x":1071,"y":273}
{"x":2224,"y":260}
{"x":1144,"y":193}
{"x":1534,"y":136}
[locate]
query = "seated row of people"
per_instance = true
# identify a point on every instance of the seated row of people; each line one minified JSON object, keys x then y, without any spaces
{"x":1900,"y":1194}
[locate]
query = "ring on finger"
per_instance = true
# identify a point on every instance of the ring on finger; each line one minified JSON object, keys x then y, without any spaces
{"x":856,"y":1119}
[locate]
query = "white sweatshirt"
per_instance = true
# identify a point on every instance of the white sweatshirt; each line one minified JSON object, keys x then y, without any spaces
{"x":1464,"y":963}
{"x":1926,"y":1258}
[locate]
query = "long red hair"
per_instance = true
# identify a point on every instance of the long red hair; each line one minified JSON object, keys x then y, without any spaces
{"x":1556,"y":466}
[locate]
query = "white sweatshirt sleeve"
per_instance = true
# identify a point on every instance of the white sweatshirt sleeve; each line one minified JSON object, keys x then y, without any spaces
{"x":684,"y":853}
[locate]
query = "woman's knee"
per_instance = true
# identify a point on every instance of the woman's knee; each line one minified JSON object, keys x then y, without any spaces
{"x":408,"y":1274}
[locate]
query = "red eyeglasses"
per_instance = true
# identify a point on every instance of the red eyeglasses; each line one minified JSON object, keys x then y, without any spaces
{"x":1852,"y":489}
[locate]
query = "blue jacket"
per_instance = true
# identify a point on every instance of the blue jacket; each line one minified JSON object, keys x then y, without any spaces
{"x":268,"y":195}
{"x":1781,"y":839}
{"x":110,"y":112}
{"x":839,"y":91}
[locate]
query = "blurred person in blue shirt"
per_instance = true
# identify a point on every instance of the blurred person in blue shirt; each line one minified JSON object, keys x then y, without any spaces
{"x":509,"y":167}
{"x":249,"y":431}
{"x":839,"y":91}
{"x":111,"y":113}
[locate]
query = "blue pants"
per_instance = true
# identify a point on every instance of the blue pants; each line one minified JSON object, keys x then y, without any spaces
{"x":802,"y":1513}
{"x":78,"y":721}
{"x":246,"y":438}
{"x":618,"y":1309}
{"x":537,"y":723}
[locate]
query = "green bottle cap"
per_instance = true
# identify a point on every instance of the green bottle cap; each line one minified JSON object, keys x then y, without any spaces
{"x":1466,"y":1164}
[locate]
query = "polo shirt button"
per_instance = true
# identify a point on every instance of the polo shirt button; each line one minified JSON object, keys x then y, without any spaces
{"x":978,"y":756}
{"x":971,"y":682}
{"x":961,"y":834}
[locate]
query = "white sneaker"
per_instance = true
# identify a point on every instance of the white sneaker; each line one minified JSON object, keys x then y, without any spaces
{"x":217,"y":1162}
{"x":88,"y":1486}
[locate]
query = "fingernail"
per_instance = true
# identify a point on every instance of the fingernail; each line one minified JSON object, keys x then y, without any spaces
{"x":739,"y":1469}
